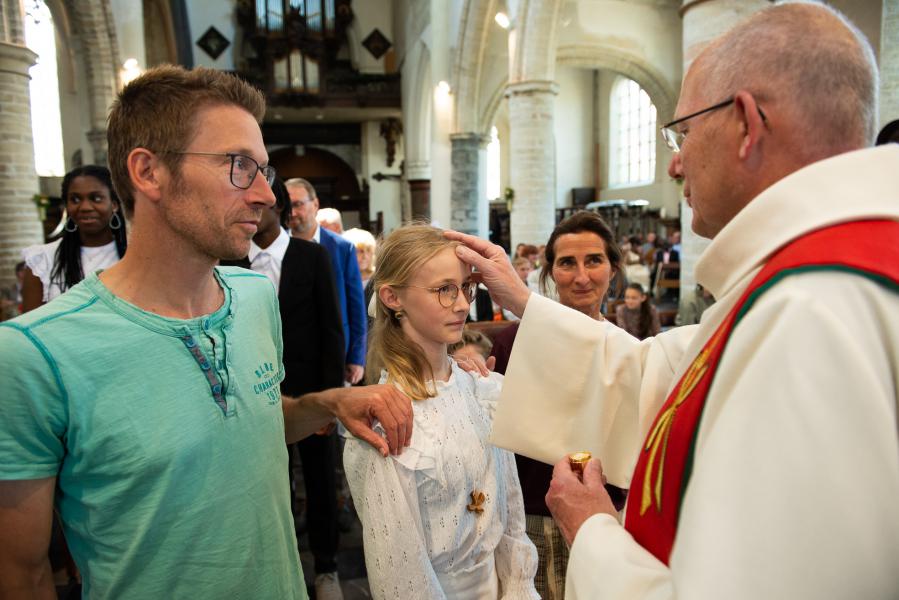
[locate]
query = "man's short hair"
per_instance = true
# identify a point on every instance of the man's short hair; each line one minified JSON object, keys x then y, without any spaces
{"x":811,"y":59}
{"x":158,"y":111}
{"x":299,"y":182}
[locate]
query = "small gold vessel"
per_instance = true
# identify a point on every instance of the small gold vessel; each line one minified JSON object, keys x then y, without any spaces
{"x":578,"y":462}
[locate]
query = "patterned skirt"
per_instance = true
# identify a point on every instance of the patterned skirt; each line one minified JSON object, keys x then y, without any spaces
{"x":552,"y":552}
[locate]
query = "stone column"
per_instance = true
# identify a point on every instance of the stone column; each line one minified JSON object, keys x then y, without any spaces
{"x":97,"y":139}
{"x":12,"y":24}
{"x":95,"y":27}
{"x":704,"y":20}
{"x":889,"y":62}
{"x":532,"y":158}
{"x":20,"y":225}
{"x":466,"y":182}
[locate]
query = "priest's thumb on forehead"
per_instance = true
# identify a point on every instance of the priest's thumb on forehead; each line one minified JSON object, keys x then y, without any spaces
{"x":471,"y":257}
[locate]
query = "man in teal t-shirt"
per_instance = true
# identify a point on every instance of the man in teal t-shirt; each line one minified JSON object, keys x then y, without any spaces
{"x":145,"y":402}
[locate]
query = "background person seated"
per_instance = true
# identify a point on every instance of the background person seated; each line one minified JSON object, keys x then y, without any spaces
{"x":472,"y":343}
{"x":637,"y":315}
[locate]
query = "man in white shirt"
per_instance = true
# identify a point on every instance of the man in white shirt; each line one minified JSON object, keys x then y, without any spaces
{"x":790,"y":463}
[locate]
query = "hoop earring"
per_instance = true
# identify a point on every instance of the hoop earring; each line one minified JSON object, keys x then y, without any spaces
{"x":115,"y":222}
{"x":71,"y":226}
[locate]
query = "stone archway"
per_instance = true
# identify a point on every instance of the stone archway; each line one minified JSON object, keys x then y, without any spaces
{"x":336,"y":183}
{"x":417,"y":115}
{"x":468,"y":69}
{"x":94,"y":36}
{"x":488,"y":116}
{"x":600,"y":56}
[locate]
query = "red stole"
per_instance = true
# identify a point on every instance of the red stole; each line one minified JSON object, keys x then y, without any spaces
{"x":870,"y":248}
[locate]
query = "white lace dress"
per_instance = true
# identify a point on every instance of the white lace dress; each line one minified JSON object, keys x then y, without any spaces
{"x":42,"y":258}
{"x":421,"y":539}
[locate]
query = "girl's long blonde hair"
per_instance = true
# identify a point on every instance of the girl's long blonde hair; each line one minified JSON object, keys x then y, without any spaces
{"x":399,"y":256}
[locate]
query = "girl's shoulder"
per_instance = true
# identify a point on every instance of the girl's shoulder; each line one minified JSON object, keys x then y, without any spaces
{"x":40,"y":259}
{"x":486,"y":389}
{"x":41,"y":251}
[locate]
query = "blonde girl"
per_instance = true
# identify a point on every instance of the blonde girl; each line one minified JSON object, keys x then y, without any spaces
{"x":445,"y":518}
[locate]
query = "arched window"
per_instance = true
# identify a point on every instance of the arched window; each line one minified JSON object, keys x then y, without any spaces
{"x":633,"y":128}
{"x":493,"y":175}
{"x":46,"y":123}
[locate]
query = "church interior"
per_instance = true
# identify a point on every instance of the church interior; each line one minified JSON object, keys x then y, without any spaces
{"x":497,"y":118}
{"x":494,"y":117}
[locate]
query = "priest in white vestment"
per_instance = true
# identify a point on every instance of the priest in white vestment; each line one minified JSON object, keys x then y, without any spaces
{"x":795,"y":476}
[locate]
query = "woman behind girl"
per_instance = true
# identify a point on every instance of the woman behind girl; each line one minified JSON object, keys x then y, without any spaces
{"x":93,"y":238}
{"x":637,"y":315}
{"x":581,"y":261}
{"x":365,"y":251}
{"x":445,"y":518}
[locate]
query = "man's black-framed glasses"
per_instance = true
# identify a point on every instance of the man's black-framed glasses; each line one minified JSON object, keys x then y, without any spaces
{"x":243,"y":168}
{"x":448,"y":293}
{"x":674,"y":138}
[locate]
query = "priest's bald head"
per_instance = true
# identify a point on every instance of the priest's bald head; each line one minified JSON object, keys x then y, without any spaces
{"x":791,"y":85}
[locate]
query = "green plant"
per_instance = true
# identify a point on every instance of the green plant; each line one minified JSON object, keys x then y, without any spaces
{"x":509,"y":197}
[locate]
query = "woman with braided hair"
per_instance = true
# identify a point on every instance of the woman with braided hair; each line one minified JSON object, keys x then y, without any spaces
{"x":93,"y":238}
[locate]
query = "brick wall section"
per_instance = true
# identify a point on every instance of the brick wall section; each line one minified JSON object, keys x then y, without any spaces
{"x":464,"y":197}
{"x":889,"y":62}
{"x":12,"y":25}
{"x":19,"y":223}
{"x":532,"y":160}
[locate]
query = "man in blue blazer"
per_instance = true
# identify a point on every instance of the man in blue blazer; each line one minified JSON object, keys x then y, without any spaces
{"x":304,"y":206}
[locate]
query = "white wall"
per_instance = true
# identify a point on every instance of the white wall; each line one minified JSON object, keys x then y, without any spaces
{"x":201,"y":14}
{"x":129,"y":28}
{"x":648,"y":31}
{"x":573,"y":125}
{"x":383,"y":195}
{"x":437,"y":38}
{"x":368,"y":16}
{"x":494,"y":73}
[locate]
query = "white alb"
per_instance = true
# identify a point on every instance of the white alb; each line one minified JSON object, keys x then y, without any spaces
{"x":421,"y":540}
